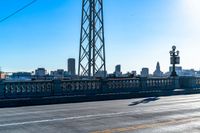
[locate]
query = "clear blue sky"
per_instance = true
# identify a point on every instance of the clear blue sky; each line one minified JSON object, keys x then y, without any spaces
{"x":138,"y":33}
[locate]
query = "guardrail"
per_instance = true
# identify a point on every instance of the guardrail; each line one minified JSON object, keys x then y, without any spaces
{"x":48,"y":88}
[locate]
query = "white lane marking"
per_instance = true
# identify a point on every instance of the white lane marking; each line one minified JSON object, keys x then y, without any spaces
{"x":47,"y":111}
{"x":63,"y":119}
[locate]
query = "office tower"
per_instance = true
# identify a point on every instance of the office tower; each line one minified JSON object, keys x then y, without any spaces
{"x":158,"y":72}
{"x":118,"y":72}
{"x":145,"y":72}
{"x":72,"y":66}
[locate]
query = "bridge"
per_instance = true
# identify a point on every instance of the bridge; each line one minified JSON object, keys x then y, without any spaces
{"x":12,"y":93}
{"x":92,"y":64}
{"x":135,"y":104}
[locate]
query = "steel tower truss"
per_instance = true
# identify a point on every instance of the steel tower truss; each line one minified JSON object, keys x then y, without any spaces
{"x":92,"y":43}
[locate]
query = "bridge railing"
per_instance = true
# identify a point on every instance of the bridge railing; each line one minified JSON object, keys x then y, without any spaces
{"x":31,"y":89}
{"x":80,"y":87}
{"x":197,"y":82}
{"x":26,"y":89}
{"x":189,"y":82}
{"x":123,"y":83}
{"x":155,"y":83}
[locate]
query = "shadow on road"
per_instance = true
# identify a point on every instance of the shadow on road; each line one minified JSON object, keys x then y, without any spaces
{"x":144,"y":101}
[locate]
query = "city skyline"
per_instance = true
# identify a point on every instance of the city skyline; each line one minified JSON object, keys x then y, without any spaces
{"x":138,"y":34}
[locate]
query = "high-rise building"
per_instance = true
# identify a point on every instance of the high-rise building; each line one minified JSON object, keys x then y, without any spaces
{"x":134,"y":73}
{"x":145,"y":72}
{"x":177,"y":69}
{"x":118,"y":72}
{"x":118,"y":68}
{"x":158,"y":72}
{"x":60,"y":73}
{"x":40,"y":72}
{"x":101,"y":74}
{"x":72,"y":66}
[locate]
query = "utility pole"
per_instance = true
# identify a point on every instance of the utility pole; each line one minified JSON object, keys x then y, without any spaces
{"x":92,"y":60}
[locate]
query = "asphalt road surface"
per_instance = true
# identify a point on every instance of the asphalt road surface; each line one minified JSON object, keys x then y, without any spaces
{"x":175,"y":114}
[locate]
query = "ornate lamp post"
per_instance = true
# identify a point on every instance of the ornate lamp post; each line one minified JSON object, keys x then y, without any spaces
{"x":174,"y":59}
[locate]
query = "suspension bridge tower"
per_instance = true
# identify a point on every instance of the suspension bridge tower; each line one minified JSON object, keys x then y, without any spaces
{"x":92,"y":60}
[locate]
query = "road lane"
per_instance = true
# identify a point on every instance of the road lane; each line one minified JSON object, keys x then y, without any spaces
{"x":161,"y":114}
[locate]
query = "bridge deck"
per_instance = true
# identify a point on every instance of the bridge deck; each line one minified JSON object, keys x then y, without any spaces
{"x":157,"y":114}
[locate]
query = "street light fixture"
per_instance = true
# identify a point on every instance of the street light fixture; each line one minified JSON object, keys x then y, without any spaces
{"x":174,"y":59}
